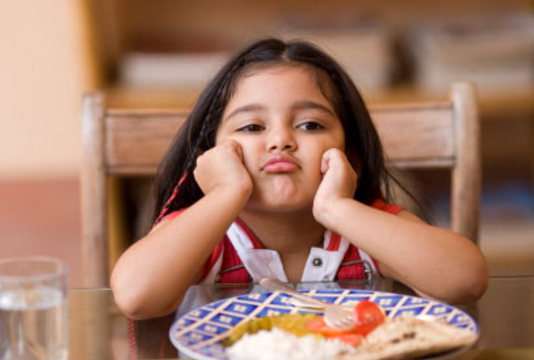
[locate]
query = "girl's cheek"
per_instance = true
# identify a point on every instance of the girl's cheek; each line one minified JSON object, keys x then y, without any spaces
{"x":248,"y":164}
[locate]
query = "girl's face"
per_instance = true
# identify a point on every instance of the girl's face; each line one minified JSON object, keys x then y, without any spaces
{"x":284,"y":124}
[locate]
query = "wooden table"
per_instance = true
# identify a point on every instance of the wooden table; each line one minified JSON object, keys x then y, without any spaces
{"x":99,"y":331}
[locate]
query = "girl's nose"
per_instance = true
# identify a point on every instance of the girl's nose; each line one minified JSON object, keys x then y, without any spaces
{"x":281,"y":139}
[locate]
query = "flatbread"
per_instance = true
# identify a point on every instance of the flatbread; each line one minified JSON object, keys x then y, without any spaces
{"x":407,"y":337}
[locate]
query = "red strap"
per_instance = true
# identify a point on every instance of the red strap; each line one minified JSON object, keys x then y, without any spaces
{"x":390,"y":208}
{"x":335,"y":240}
{"x":230,"y":259}
{"x":172,"y":215}
{"x":132,"y":343}
{"x":232,"y":269}
{"x":167,"y":204}
{"x":352,"y":271}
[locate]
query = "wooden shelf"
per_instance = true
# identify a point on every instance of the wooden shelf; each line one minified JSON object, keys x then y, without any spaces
{"x":122,"y":27}
{"x":137,"y":98}
{"x":496,"y":106}
{"x":492,"y":106}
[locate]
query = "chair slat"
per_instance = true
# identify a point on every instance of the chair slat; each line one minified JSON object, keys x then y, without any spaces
{"x":416,"y":135}
{"x":136,"y":141}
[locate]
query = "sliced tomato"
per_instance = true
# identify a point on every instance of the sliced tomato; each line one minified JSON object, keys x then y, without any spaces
{"x":351,"y":339}
{"x":367,"y":317}
{"x":318,"y":326}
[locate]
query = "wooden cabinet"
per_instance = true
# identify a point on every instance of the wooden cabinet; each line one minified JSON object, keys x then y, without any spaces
{"x":128,"y":29}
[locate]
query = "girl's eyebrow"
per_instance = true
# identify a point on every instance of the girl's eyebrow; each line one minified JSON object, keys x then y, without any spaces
{"x":300,"y":105}
{"x":244,"y":109}
{"x":306,"y":104}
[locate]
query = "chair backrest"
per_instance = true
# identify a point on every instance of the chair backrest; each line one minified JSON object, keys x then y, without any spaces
{"x":118,"y":142}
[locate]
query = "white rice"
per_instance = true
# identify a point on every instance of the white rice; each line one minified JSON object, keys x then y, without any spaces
{"x":277,"y":344}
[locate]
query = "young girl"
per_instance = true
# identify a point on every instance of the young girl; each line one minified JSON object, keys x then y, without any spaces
{"x":281,"y":173}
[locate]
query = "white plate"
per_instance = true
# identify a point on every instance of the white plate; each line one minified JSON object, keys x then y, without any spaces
{"x":198,"y":333}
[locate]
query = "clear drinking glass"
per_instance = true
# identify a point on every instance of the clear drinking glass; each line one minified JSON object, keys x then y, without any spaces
{"x":33,"y":309}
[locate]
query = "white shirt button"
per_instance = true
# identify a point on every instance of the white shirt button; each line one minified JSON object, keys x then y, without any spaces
{"x":317,"y":262}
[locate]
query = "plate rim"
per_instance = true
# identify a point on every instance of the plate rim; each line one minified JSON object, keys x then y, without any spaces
{"x":199,"y":356}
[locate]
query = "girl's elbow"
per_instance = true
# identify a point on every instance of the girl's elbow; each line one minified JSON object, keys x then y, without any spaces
{"x":126,"y":299}
{"x":129,"y":308}
{"x":479,"y":284}
{"x":462,"y":287}
{"x":138,"y":308}
{"x":473,"y":285}
{"x":137,"y":305}
{"x":473,"y":278}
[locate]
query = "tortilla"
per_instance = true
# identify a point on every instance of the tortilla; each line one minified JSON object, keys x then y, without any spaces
{"x":407,"y":337}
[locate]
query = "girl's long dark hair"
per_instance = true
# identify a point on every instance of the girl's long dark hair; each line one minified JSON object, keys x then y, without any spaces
{"x":363,"y":146}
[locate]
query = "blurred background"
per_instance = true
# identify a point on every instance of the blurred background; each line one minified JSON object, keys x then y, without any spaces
{"x":160,"y":54}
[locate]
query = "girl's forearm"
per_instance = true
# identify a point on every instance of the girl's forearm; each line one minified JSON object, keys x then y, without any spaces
{"x":152,"y":276}
{"x":433,"y":261}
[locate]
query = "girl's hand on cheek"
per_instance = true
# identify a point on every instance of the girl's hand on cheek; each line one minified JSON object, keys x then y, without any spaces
{"x":339,"y":182}
{"x":222,"y":168}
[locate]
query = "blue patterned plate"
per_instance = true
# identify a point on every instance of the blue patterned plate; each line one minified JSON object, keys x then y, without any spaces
{"x":198,"y":333}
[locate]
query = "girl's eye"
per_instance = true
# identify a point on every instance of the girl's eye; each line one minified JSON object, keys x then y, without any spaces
{"x":251,"y":128}
{"x":310,"y":126}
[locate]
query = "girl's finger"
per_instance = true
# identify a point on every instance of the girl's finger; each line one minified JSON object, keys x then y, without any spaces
{"x":328,"y":156}
{"x":238,"y":150}
{"x":324,"y":163}
{"x":235,"y":146}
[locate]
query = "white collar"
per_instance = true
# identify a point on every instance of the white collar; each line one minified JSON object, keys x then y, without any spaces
{"x":322,"y":264}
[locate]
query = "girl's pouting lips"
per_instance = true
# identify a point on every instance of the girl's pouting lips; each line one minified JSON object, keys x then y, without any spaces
{"x":279,"y":164}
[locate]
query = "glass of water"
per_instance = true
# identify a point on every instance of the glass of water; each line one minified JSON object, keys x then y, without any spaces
{"x":33,"y":309}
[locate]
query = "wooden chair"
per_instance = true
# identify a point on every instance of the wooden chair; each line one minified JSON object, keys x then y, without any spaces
{"x":119,"y":143}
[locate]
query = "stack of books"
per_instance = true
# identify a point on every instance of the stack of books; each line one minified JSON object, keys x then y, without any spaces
{"x":361,"y":44}
{"x":178,"y":70}
{"x":495,"y":52}
{"x":364,"y":47}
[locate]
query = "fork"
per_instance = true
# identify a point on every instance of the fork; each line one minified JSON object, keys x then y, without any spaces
{"x":336,"y":316}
